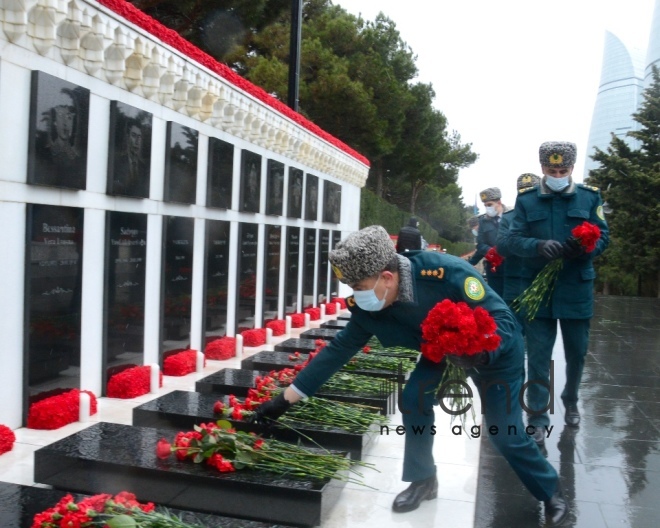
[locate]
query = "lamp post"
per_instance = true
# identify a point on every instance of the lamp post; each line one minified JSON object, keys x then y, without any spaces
{"x":294,"y":53}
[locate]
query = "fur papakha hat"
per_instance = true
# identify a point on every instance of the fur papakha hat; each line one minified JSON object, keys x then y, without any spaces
{"x":527,"y":180}
{"x":492,"y":193}
{"x":557,"y":154}
{"x":362,"y":254}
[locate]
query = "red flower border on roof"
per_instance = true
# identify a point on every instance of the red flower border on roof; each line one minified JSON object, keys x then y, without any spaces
{"x":172,"y":38}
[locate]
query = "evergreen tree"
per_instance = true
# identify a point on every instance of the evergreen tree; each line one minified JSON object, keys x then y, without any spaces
{"x":630,"y":178}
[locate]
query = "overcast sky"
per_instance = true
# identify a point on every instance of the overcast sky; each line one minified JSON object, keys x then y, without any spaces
{"x":512,"y":74}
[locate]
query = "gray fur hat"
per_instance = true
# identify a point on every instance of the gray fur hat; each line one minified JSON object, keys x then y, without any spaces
{"x":527,"y":180}
{"x":362,"y":254}
{"x":557,"y":154}
{"x":492,"y":193}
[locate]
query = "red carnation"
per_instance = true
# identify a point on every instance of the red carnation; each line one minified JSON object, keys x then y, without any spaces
{"x":180,"y":364}
{"x":221,"y":349}
{"x":278,"y":326}
{"x":7,"y":439}
{"x":588,"y":235}
{"x":314,"y":313}
{"x":341,"y":301}
{"x":493,"y":258}
{"x":330,"y":308}
{"x":254,"y":337}
{"x":163,"y":448}
{"x":297,"y":320}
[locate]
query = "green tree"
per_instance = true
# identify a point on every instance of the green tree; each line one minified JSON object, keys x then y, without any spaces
{"x":630,"y":177}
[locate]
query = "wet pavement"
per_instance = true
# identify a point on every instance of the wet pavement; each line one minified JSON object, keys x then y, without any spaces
{"x":610,"y":465}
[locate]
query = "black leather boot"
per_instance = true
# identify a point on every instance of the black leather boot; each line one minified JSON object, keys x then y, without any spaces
{"x":572,"y":416}
{"x":410,"y":499}
{"x":556,"y":509}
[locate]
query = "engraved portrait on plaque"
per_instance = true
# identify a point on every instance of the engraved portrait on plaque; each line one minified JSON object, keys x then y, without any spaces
{"x":129,"y":151}
{"x":181,"y":164}
{"x":220,"y":174}
{"x":59,"y":121}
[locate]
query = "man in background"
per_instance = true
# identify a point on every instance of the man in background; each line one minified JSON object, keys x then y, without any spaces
{"x":410,"y":237}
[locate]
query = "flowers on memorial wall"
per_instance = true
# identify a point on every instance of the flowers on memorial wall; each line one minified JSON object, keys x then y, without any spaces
{"x":248,"y":288}
{"x":131,"y":383}
{"x":529,"y":301}
{"x":314,"y":313}
{"x":278,"y":326}
{"x":297,"y":320}
{"x":221,"y":349}
{"x":181,"y":363}
{"x":254,"y":337}
{"x":455,"y":328}
{"x":340,"y":300}
{"x":224,"y":449}
{"x":7,"y":439}
{"x":58,"y":410}
{"x":494,"y":259}
{"x":330,"y":308}
{"x":106,"y":511}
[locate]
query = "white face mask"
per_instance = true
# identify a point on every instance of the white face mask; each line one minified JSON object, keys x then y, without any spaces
{"x":475,"y":232}
{"x":368,"y":300}
{"x":491,"y":211}
{"x":556,"y":184}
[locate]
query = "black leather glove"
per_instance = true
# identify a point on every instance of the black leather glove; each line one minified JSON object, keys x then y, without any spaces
{"x":572,"y":248}
{"x":477,"y":360}
{"x":550,"y":249}
{"x":271,"y":410}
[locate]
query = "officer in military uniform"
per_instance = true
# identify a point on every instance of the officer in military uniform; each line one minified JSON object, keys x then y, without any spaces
{"x":487,"y":235}
{"x":392,"y":296}
{"x":512,"y":265}
{"x":540,"y":232}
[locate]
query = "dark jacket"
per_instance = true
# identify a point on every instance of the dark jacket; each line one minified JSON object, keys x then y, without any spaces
{"x":512,"y":266}
{"x":545,"y":215}
{"x":435,"y":276}
{"x":409,"y":239}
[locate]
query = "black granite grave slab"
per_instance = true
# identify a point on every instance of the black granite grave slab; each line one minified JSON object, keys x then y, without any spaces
{"x":296,"y":345}
{"x":344,"y":317}
{"x":326,"y":334}
{"x":19,"y":504}
{"x":110,"y":458}
{"x":335,"y":323}
{"x":183,"y":410}
{"x":239,"y":381}
{"x":276,"y":360}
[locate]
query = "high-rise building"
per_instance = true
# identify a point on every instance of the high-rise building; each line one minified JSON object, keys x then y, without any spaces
{"x":624,"y":75}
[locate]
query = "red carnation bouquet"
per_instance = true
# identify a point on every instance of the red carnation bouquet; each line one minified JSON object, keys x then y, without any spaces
{"x":221,"y":349}
{"x":181,"y":363}
{"x":455,"y":328}
{"x":7,"y":439}
{"x":278,"y":326}
{"x":59,"y":410}
{"x":297,"y":320}
{"x":314,"y":313}
{"x":254,"y":337}
{"x":529,"y":301}
{"x":493,"y":258}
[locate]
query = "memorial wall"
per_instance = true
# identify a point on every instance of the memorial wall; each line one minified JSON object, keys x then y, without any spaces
{"x":150,"y":199}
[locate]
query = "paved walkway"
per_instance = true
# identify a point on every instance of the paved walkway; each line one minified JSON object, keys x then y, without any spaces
{"x":610,"y":465}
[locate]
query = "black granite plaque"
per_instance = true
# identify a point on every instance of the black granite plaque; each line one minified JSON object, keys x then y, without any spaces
{"x":324,"y":266}
{"x":334,"y":281}
{"x":275,"y":188}
{"x":129,"y":151}
{"x":294,"y":209}
{"x":331,"y":202}
{"x":309,"y":261}
{"x":109,"y":458}
{"x":177,"y":281}
{"x":296,"y":345}
{"x":272,"y":267}
{"x":292,"y":272}
{"x":183,"y":410}
{"x":126,"y":257}
{"x":327,"y":334}
{"x":334,"y":323}
{"x":53,"y":292}
{"x":248,"y":242}
{"x":239,"y":381}
{"x":59,"y":123}
{"x":19,"y":504}
{"x":181,"y":164}
{"x":220,"y":173}
{"x":312,"y":197}
{"x":250,"y":182}
{"x":217,"y":278}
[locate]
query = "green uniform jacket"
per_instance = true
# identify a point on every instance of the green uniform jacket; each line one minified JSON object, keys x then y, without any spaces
{"x":435,"y":277}
{"x":551,"y":216}
{"x":512,"y":265}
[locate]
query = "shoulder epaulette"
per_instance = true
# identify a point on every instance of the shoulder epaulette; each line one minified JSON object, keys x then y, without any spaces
{"x":526,"y":189}
{"x":588,"y":187}
{"x":432,"y":273}
{"x":350,"y":302}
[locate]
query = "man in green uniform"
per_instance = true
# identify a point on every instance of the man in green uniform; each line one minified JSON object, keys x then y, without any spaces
{"x":512,"y":265}
{"x":487,"y":235}
{"x":393,"y":294}
{"x":541,"y":232}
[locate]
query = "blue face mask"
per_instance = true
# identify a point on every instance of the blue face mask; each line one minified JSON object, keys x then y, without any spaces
{"x":557,"y":184}
{"x":475,"y":232}
{"x":368,"y":300}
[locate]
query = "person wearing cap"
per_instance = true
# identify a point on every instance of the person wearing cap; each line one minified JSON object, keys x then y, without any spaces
{"x":393,"y":294}
{"x":410,"y":237}
{"x":512,"y":264}
{"x":487,"y":235}
{"x":541,"y":232}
